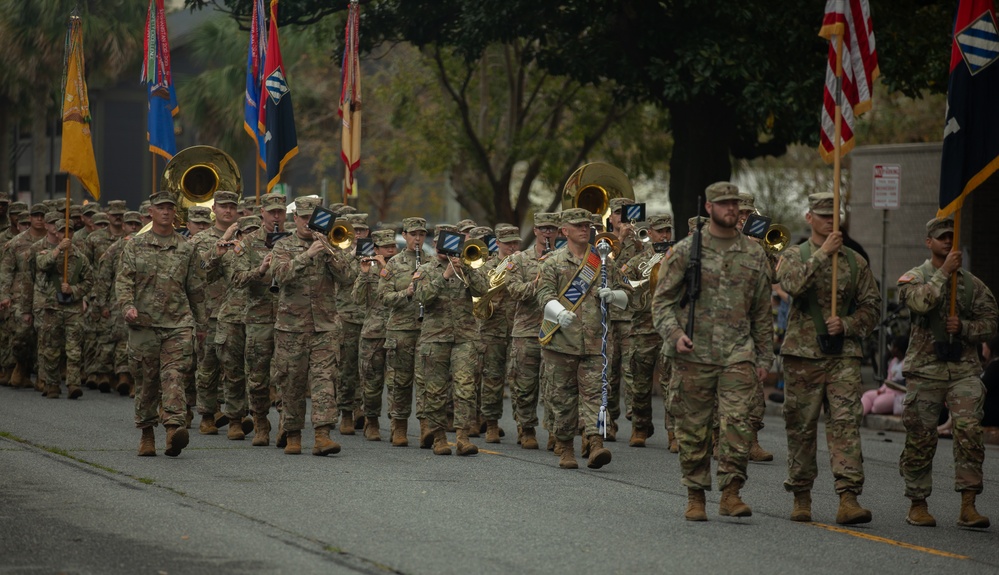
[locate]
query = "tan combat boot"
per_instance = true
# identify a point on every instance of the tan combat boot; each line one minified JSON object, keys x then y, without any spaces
{"x":221,"y":419}
{"x":358,"y":418}
{"x":17,"y":377}
{"x":371,"y":431}
{"x":261,"y":431}
{"x":850,"y":512}
{"x":638,"y":437}
{"x":104,"y":383}
{"x":124,"y":384}
{"x":919,"y":514}
{"x":612,"y":431}
{"x":731,"y":505}
{"x":52,"y":391}
{"x":426,"y":435}
{"x":176,"y":440}
{"x":207,"y":426}
{"x":802,"y":506}
{"x":599,"y":455}
{"x":294,"y":443}
{"x":674,"y":445}
{"x":235,"y":432}
{"x":281,"y":441}
{"x":528,"y":439}
{"x":91,"y":381}
{"x":440,"y":442}
{"x":347,"y":423}
{"x":324,"y":445}
{"x":695,"y":505}
{"x":969,"y":515}
{"x":464,"y":444}
{"x":492,"y":431}
{"x":399,"y":433}
{"x":567,"y":459}
{"x":74,"y":392}
{"x":584,"y":449}
{"x":550,"y":446}
{"x":758,"y":454}
{"x":147,"y":445}
{"x":247,"y":424}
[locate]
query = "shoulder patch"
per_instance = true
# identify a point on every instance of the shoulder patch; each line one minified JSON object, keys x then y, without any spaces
{"x":545,"y":256}
{"x":384,"y":273}
{"x":417,"y":275}
{"x":510,"y":265}
{"x":624,"y":268}
{"x":238,"y":248}
{"x":906,"y":278}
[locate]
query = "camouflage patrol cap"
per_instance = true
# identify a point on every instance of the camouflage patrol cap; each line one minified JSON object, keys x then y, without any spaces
{"x":464,"y":226}
{"x":247,"y":223}
{"x":272,"y":201}
{"x":75,"y":211}
{"x":661,"y":222}
{"x":38,"y":209}
{"x":91,"y":208}
{"x":358,"y":221}
{"x":597,"y":219}
{"x":746,"y":202}
{"x":133,"y":217}
{"x":546,"y":219}
{"x":17,"y":208}
{"x":162,"y":197}
{"x":144,"y":207}
{"x":4,"y":198}
{"x":117,"y":207}
{"x":576,"y":216}
{"x":478,"y":232}
{"x":410,"y":225}
{"x":821,"y":204}
{"x":507,"y":233}
{"x":444,"y":228}
{"x":692,"y":222}
{"x":100,"y":218}
{"x":225,"y":197}
{"x":617,"y":204}
{"x":305,"y":206}
{"x":346,"y":211}
{"x":241,"y":206}
{"x":52,"y":205}
{"x":335,"y":207}
{"x":51,"y":217}
{"x":721,"y":192}
{"x":938,"y":227}
{"x":200,"y":214}
{"x":383,"y":238}
{"x":59,"y":224}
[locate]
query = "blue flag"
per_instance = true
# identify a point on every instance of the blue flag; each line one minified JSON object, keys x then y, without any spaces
{"x":277,"y":119}
{"x":255,"y":57}
{"x":971,"y":134}
{"x":159,"y":84}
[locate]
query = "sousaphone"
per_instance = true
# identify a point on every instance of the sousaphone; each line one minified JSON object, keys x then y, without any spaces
{"x":593,"y":186}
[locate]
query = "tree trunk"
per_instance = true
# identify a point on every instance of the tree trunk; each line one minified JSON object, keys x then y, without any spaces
{"x":703,"y":132}
{"x":39,"y":147}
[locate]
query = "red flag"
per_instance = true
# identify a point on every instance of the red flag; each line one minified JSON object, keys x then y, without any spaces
{"x":277,"y":118}
{"x":850,"y":19}
{"x":350,"y":104}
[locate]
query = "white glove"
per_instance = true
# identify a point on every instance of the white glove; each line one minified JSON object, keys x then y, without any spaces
{"x":615,"y":297}
{"x":556,"y":312}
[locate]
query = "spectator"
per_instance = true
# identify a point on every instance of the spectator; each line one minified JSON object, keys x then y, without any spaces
{"x":888,"y":398}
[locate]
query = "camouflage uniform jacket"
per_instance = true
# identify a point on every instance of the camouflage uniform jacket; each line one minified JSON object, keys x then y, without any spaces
{"x":395,"y":279}
{"x":732,"y":318}
{"x":102,"y":293}
{"x":204,"y":244}
{"x":349,"y":311}
{"x":365,"y":293}
{"x":98,"y":242}
{"x":641,"y":301}
{"x":161,"y":277}
{"x":260,"y":305}
{"x":585,"y":335}
{"x":48,"y":277}
{"x":630,"y":248}
{"x":17,"y":272}
{"x":447,"y":303}
{"x":859,"y":316}
{"x":233,"y":298}
{"x":306,"y":302}
{"x":931,"y":295}
{"x":521,"y":289}
{"x":498,"y":324}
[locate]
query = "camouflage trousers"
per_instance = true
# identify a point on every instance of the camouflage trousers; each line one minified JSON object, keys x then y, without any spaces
{"x":618,"y":373}
{"x":666,"y":387}
{"x":120,"y":344}
{"x":810,"y":384}
{"x":348,"y":395}
{"x":63,"y":329}
{"x":400,"y":357}
{"x":641,"y":361}
{"x":6,"y":339}
{"x":161,"y":363}
{"x":231,"y":341}
{"x":302,"y":359}
{"x":24,"y":345}
{"x":90,"y":344}
{"x":443,"y":368}
{"x":104,"y":347}
{"x":492,"y":371}
{"x":371,"y":361}
{"x":257,"y":365}
{"x":965,"y":398}
{"x":574,"y":387}
{"x":524,"y":372}
{"x":697,"y":387}
{"x":209,"y":376}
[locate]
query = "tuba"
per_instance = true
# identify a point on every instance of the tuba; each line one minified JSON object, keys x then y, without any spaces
{"x":593,"y":186}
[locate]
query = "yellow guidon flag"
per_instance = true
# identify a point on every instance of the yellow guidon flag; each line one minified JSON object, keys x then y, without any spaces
{"x":77,"y":147}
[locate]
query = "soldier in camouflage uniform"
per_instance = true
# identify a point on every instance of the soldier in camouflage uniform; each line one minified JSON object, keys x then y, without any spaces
{"x":17,"y":277}
{"x":60,"y":318}
{"x":731,"y":347}
{"x":5,"y":222}
{"x":252,"y":273}
{"x":101,"y":364}
{"x":15,"y":211}
{"x":523,"y":271}
{"x":371,"y":348}
{"x":199,"y":219}
{"x":351,"y":319}
{"x":446,"y":349}
{"x":952,"y":378}
{"x":209,"y":375}
{"x":646,"y":344}
{"x":307,"y":330}
{"x":815,"y":375}
{"x":160,"y":291}
{"x":571,"y":295}
{"x":87,"y":216}
{"x":395,"y":290}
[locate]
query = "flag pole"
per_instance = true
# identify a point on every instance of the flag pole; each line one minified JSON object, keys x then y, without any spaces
{"x":154,"y":190}
{"x":257,"y":165}
{"x":955,"y":247}
{"x":837,"y":136}
{"x":65,"y":254}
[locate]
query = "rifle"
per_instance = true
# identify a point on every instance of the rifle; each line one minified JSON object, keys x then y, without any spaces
{"x":693,"y":274}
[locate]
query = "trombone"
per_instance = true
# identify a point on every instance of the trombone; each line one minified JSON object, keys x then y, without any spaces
{"x":473,"y":254}
{"x":339,"y":238}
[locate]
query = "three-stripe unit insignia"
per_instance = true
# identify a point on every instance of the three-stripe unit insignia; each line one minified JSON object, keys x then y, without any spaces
{"x":277,"y":86}
{"x":979,"y":43}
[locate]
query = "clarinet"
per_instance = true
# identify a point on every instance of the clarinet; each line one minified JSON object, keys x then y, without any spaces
{"x":275,"y":288}
{"x":548,"y":246}
{"x":419,"y":249}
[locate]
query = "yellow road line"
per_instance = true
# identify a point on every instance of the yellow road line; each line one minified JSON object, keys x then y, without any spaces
{"x":455,"y":445}
{"x":877,"y":539}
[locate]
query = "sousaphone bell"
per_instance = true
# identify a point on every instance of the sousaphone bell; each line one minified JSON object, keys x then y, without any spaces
{"x":593,"y":186}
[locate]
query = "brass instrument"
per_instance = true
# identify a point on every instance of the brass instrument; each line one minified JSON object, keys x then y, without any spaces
{"x":776,"y":238}
{"x":474,"y":254}
{"x":650,"y":270}
{"x":593,"y":186}
{"x":611,"y":239}
{"x":643,"y":234}
{"x":341,"y":234}
{"x":482,"y":307}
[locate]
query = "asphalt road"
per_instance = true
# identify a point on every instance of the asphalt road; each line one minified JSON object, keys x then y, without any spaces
{"x":74,"y":498}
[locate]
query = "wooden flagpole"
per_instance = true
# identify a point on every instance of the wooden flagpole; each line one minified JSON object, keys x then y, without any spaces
{"x":65,"y":254}
{"x":955,"y":247}
{"x":837,"y":136}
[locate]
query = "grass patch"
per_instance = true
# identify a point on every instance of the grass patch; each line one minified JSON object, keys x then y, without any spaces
{"x":145,"y":480}
{"x":333,"y":549}
{"x":12,"y":437}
